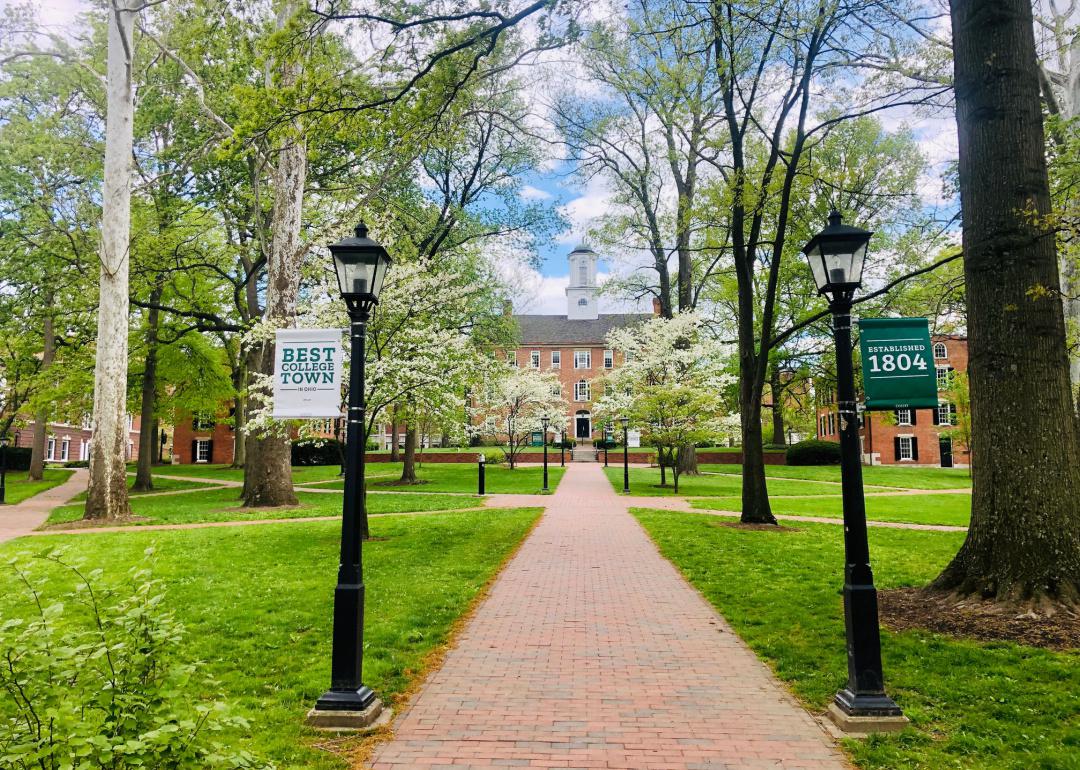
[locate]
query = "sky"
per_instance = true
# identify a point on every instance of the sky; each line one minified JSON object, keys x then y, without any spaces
{"x":582,"y":203}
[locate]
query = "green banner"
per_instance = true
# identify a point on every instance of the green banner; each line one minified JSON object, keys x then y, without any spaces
{"x":897,"y":363}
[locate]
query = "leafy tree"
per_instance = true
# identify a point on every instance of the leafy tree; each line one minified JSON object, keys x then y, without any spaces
{"x":513,"y":402}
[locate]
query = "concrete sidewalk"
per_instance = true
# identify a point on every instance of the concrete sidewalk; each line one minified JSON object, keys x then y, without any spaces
{"x":592,"y":651}
{"x":23,"y":518}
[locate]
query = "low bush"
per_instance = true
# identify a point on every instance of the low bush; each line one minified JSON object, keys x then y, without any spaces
{"x":17,"y":458}
{"x":319,"y":451}
{"x":814,"y":452}
{"x":93,"y":680}
{"x":78,"y":464}
{"x":493,"y":455}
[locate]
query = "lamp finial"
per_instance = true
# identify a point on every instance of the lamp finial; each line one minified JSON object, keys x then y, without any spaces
{"x":361,"y":230}
{"x":834,"y":217}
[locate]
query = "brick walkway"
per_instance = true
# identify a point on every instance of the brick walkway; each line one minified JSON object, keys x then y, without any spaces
{"x":592,"y":651}
{"x":23,"y":518}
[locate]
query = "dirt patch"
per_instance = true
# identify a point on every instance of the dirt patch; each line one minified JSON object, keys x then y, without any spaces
{"x":255,"y":512}
{"x":905,"y":609}
{"x":755,"y":527}
{"x":399,"y":483}
{"x":94,"y":523}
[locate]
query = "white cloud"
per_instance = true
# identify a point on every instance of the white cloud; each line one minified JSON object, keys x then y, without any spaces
{"x":530,"y":193}
{"x":582,"y":212}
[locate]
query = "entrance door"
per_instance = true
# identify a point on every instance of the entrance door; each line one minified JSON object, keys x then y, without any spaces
{"x":583,"y":425}
{"x":945,"y":445}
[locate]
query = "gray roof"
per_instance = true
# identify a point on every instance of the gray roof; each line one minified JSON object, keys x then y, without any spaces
{"x":558,"y":329}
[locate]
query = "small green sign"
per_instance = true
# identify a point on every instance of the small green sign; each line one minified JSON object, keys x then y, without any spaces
{"x":897,"y":363}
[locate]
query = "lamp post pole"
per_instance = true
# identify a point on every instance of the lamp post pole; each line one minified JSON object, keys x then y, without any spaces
{"x":625,"y":455}
{"x":562,"y":450}
{"x":544,"y":421}
{"x":3,"y":469}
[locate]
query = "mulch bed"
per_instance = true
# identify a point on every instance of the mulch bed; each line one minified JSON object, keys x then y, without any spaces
{"x":904,"y":609}
{"x":94,"y":523}
{"x":755,"y":527}
{"x":399,"y":483}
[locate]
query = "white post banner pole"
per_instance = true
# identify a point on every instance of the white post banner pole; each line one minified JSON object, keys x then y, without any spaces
{"x":307,"y":373}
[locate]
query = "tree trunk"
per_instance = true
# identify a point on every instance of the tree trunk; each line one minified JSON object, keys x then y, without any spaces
{"x":408,"y":467}
{"x":107,"y":496}
{"x":41,"y":415}
{"x":395,"y":455}
{"x":1023,"y":544}
{"x":268,"y":470}
{"x":240,"y":383}
{"x":686,"y":461}
{"x":144,"y":481}
{"x":755,"y":492}
{"x":777,"y":407}
{"x":661,"y":461}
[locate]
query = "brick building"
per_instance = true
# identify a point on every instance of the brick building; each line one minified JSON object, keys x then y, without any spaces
{"x":212,"y":440}
{"x":574,"y":345}
{"x":908,"y":436}
{"x":66,"y":442}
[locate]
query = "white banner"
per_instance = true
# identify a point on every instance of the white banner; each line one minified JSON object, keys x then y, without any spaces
{"x":307,"y":373}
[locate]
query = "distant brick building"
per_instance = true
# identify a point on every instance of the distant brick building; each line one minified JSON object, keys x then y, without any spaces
{"x":71,"y":443}
{"x":574,"y":346}
{"x":908,"y":436}
{"x":212,"y":440}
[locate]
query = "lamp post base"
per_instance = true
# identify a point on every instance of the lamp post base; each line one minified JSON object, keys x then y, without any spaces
{"x":359,"y":711}
{"x":864,"y":724}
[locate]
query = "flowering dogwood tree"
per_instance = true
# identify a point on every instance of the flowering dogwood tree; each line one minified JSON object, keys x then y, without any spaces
{"x":514,"y":402}
{"x":671,"y":386}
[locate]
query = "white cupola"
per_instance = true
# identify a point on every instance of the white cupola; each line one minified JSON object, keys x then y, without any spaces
{"x":581,"y":301}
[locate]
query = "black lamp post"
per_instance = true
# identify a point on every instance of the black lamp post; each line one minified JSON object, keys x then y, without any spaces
{"x":545,"y":421}
{"x":562,"y":449}
{"x":361,"y":266}
{"x":836,"y":257}
{"x":625,"y":454}
{"x":3,"y":469}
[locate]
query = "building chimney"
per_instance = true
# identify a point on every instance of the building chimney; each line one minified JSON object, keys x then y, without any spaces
{"x":657,"y":309}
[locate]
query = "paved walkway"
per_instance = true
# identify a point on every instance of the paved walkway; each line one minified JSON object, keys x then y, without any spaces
{"x":592,"y":651}
{"x":23,"y":518}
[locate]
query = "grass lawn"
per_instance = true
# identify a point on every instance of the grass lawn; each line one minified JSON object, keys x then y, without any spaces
{"x":972,"y":705}
{"x":160,"y":485}
{"x":645,"y":482}
{"x":221,"y":505}
{"x":877,"y":475}
{"x":17,"y":488}
{"x":951,"y":509}
{"x":461,"y":477}
{"x":301,"y":474}
{"x":257,"y":606}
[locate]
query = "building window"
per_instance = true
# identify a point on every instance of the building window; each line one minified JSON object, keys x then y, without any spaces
{"x":202,"y":450}
{"x":583,"y":359}
{"x":581,"y":390}
{"x":85,"y":451}
{"x":202,"y":422}
{"x":534,"y":359}
{"x":944,"y":413}
{"x":943,"y":377}
{"x":130,"y":423}
{"x":583,"y":275}
{"x":556,"y":359}
{"x":609,"y":359}
{"x":903,"y":417}
{"x":131,"y":451}
{"x":50,"y":450}
{"x":906,"y":452}
{"x":583,"y":302}
{"x":556,"y":390}
{"x":940,"y":351}
{"x":65,"y":450}
{"x":87,"y":422}
{"x":511,"y":357}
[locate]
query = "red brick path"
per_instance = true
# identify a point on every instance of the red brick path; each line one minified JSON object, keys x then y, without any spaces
{"x":592,"y":652}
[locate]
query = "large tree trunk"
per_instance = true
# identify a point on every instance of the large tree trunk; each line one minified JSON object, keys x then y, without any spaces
{"x":777,"y":407}
{"x":144,"y":480}
{"x":1024,"y":540}
{"x":755,"y":492}
{"x":395,"y":454}
{"x":268,"y":470}
{"x":41,"y":415}
{"x":408,"y":468}
{"x":107,"y":496}
{"x":686,"y":460}
{"x":240,"y":384}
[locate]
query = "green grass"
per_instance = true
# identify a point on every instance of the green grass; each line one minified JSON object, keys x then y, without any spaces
{"x":987,"y":706}
{"x":877,"y":475}
{"x":160,"y":485}
{"x":462,"y":477}
{"x":257,"y":605}
{"x":222,"y":504}
{"x":951,"y":509}
{"x":18,"y":488}
{"x":645,"y":482}
{"x":301,"y":474}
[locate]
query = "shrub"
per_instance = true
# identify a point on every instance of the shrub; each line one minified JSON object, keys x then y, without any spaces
{"x":814,"y":452}
{"x":93,"y":680}
{"x":17,"y":458}
{"x":493,"y":455}
{"x":319,"y":451}
{"x":77,"y":464}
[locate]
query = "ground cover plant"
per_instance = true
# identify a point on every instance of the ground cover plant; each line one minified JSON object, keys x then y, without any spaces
{"x":256,"y":605}
{"x":950,"y":509}
{"x":223,"y":505}
{"x":990,"y":706}
{"x":19,"y":488}
{"x":875,"y":475}
{"x":462,"y":478}
{"x":645,"y":482}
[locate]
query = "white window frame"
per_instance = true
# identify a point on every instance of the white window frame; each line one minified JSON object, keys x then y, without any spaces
{"x":65,"y":449}
{"x":583,"y":274}
{"x":944,"y":351}
{"x":609,"y":359}
{"x":556,"y":390}
{"x":87,"y":422}
{"x":944,"y":413}
{"x":581,"y":390}
{"x":908,"y":443}
{"x":556,"y":359}
{"x":511,"y":358}
{"x":130,"y":423}
{"x":200,"y":444}
{"x":942,"y":377}
{"x":84,"y":450}
{"x":534,"y":359}
{"x":50,"y":449}
{"x":901,"y":420}
{"x":583,"y":359}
